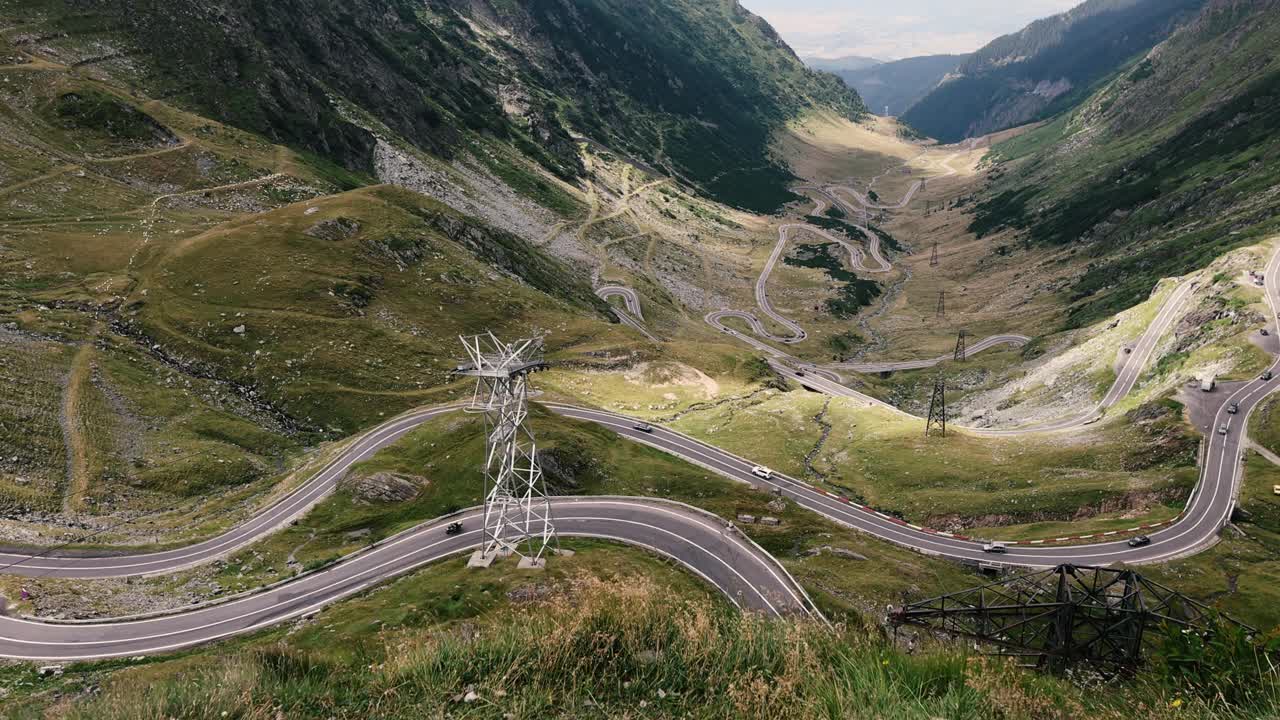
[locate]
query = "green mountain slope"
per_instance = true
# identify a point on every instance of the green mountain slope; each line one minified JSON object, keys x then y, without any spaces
{"x":196,"y":184}
{"x":694,"y":86}
{"x":1046,"y":67}
{"x":149,"y":232}
{"x":1166,"y":167}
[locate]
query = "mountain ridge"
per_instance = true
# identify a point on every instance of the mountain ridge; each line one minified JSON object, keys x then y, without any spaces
{"x":1046,"y":67}
{"x":1166,"y":166}
{"x":440,"y":72}
{"x":900,"y":84}
{"x":845,"y":63}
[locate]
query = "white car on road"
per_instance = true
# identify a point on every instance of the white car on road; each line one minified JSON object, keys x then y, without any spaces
{"x":762,"y":472}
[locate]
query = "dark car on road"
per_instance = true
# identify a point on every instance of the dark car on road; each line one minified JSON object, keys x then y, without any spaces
{"x":1233,"y":408}
{"x":1139,"y":541}
{"x":1267,"y":375}
{"x":643,"y":427}
{"x":453,"y":529}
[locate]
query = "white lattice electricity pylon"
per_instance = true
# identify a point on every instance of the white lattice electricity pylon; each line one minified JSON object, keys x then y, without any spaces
{"x":517,"y":515}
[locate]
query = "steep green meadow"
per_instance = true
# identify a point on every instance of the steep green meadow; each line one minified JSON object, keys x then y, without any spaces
{"x":348,"y":308}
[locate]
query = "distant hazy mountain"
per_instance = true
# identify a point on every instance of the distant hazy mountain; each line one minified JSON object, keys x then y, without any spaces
{"x":901,"y":83}
{"x":1046,"y":67}
{"x":842,"y":64}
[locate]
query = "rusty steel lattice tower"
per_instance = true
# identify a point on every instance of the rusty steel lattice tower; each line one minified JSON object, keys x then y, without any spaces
{"x":937,"y":408}
{"x":1100,"y":617}
{"x":517,"y":514}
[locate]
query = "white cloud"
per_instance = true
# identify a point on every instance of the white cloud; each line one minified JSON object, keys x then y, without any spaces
{"x":898,"y":29}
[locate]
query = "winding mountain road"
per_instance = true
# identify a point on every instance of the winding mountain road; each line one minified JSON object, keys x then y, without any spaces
{"x":1127,"y":377}
{"x":785,"y":234}
{"x":824,"y":197}
{"x":629,"y":297}
{"x":633,"y":316}
{"x":865,"y":202}
{"x":827,"y":379}
{"x":704,"y":544}
{"x":821,"y":378}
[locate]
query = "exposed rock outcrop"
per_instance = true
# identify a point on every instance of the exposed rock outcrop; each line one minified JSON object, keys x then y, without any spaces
{"x":383,"y":487}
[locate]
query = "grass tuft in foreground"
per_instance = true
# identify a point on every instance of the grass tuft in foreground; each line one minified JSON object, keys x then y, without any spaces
{"x":630,"y":648}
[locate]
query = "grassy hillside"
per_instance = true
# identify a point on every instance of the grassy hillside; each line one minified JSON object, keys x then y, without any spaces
{"x":343,"y":309}
{"x":695,"y":86}
{"x":136,"y":238}
{"x":1163,"y":169}
{"x":1046,"y":67}
{"x":601,"y":640}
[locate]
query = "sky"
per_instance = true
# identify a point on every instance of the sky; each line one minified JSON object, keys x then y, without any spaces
{"x":896,"y":29}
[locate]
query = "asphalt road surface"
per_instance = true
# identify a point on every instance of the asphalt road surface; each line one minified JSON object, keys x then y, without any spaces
{"x":633,"y":317}
{"x":865,"y":202}
{"x":702,"y":543}
{"x":629,"y":297}
{"x":1135,"y":363}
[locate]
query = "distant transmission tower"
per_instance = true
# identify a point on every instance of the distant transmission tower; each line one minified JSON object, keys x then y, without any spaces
{"x":933,"y":259}
{"x":516,"y":509}
{"x":942,"y":303}
{"x":960,"y":347}
{"x":937,"y":408}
